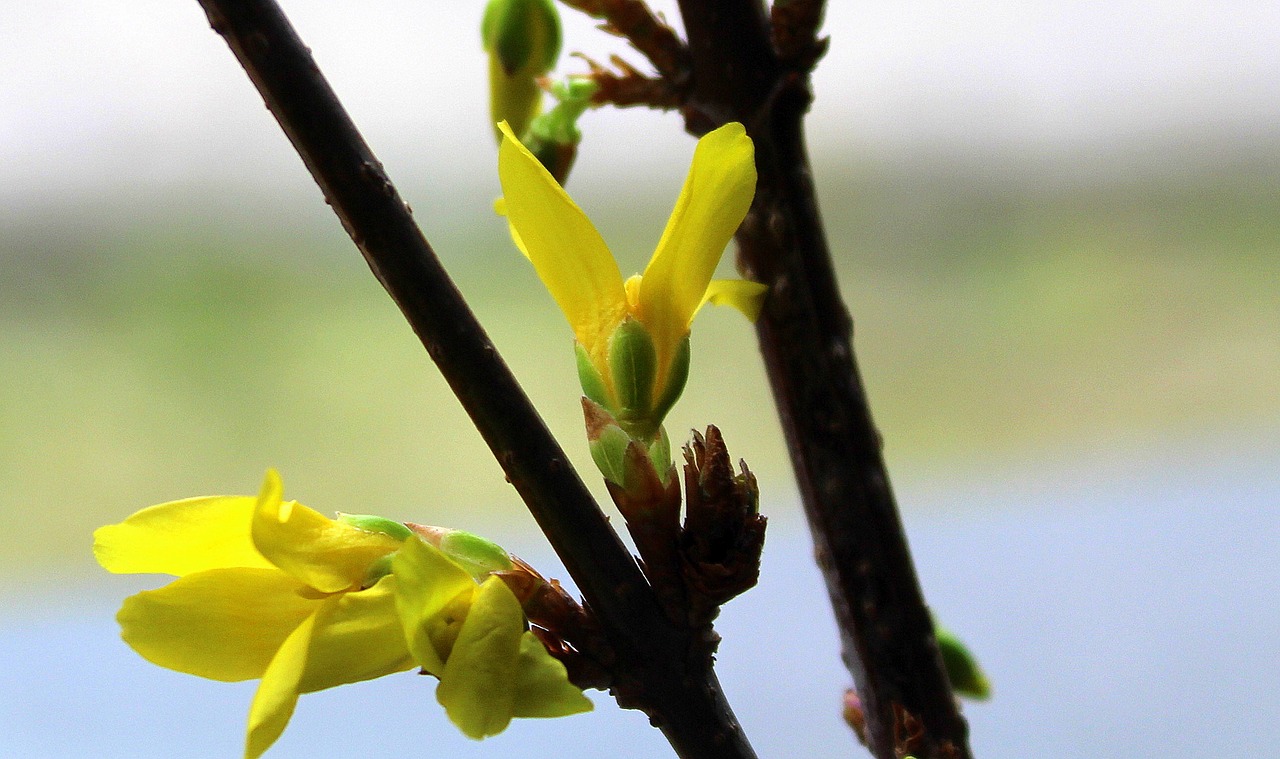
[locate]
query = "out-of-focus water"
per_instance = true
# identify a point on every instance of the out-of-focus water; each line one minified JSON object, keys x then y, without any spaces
{"x":1122,"y":605}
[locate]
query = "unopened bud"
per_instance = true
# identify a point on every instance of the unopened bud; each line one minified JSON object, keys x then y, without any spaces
{"x":522,"y":38}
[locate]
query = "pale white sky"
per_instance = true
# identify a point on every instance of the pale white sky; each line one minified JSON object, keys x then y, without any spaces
{"x":110,"y":93}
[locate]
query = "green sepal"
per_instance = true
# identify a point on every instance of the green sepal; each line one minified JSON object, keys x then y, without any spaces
{"x":370,"y":523}
{"x":593,"y":385}
{"x":479,"y":556}
{"x":677,"y":377}
{"x":380,"y":568}
{"x":967,"y":677}
{"x":609,"y":451}
{"x":633,"y":363}
{"x":660,"y":454}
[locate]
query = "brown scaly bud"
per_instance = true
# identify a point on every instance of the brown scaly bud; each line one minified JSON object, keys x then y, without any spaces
{"x":723,"y":531}
{"x":854,"y":715}
{"x":567,"y":629}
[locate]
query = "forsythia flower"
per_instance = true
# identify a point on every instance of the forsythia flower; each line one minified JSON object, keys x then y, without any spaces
{"x":273,"y":590}
{"x":633,"y":335}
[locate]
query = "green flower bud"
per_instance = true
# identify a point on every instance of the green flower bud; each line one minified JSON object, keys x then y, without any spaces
{"x":522,"y":38}
{"x":370,"y":523}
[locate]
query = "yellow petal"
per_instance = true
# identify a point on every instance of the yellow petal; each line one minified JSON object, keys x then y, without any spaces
{"x":713,"y":202}
{"x":566,"y":250}
{"x":277,"y":694}
{"x":357,"y":636}
{"x":181,"y":537}
{"x":223,"y":624}
{"x":477,"y":689}
{"x":327,"y":555}
{"x":432,"y":596}
{"x":743,"y":295}
{"x":542,"y":684}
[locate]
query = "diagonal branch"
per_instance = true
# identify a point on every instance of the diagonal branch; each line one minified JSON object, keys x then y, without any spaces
{"x":650,"y":664}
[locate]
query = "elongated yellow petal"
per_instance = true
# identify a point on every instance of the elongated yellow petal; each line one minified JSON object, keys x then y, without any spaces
{"x":566,"y":250}
{"x":357,"y":636}
{"x":713,"y":202}
{"x":277,"y":694}
{"x":477,"y":689}
{"x":223,"y":624}
{"x":181,"y":537}
{"x":745,"y":296}
{"x":327,"y":555}
{"x":432,"y":594}
{"x":542,"y":684}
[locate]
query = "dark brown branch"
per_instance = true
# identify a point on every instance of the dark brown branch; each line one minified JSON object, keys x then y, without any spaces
{"x":805,"y":335}
{"x":650,"y":670}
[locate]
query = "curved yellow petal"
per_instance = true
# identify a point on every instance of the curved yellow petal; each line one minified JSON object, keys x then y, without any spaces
{"x":566,"y":250}
{"x":432,"y":594}
{"x":743,"y":295}
{"x":478,"y":686}
{"x":542,"y":684}
{"x":357,"y":637}
{"x":223,"y":624}
{"x":181,"y":537}
{"x":277,"y":694}
{"x":327,"y":555}
{"x":713,"y":202}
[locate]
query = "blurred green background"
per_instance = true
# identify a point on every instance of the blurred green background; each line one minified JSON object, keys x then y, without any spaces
{"x":1057,"y":230}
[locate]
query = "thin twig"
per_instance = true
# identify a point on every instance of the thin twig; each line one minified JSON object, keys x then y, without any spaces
{"x":647,"y":32}
{"x":651,"y":669}
{"x":624,"y":86}
{"x":805,"y":335}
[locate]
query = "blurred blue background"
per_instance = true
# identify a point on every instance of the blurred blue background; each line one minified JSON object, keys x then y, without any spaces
{"x":1057,"y":229}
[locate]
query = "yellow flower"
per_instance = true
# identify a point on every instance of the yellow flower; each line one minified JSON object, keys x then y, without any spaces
{"x":273,"y":590}
{"x":577,"y":268}
{"x":266,"y":589}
